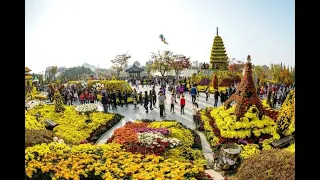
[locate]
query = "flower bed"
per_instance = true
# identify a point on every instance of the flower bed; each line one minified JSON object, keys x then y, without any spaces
{"x":112,"y":85}
{"x":220,"y":126}
{"x":211,"y":90}
{"x":72,"y":126}
{"x":108,"y":161}
{"x":32,"y":123}
{"x":169,"y":139}
{"x":286,"y":118}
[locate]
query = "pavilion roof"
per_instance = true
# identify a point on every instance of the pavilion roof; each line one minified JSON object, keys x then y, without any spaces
{"x":134,"y":69}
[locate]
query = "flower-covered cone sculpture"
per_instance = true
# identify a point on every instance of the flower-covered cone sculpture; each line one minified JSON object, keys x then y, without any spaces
{"x":58,"y":101}
{"x":215,"y":82}
{"x":286,"y":118}
{"x":246,"y":96}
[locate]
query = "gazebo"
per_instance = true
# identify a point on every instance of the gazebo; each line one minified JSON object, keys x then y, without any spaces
{"x":134,"y":71}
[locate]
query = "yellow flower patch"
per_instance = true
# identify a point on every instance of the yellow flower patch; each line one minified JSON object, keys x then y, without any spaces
{"x":72,"y":126}
{"x":108,"y":161}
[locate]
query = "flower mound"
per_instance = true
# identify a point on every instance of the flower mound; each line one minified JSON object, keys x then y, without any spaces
{"x":220,"y":126}
{"x":72,"y":126}
{"x":169,"y":139}
{"x":32,"y":123}
{"x":108,"y":161}
{"x":286,"y":118}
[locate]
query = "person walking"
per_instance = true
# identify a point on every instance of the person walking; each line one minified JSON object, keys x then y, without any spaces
{"x":207,"y":93}
{"x":182,"y":104}
{"x":151,"y":99}
{"x":195,"y":109}
{"x":134,"y":101}
{"x":154,"y":96}
{"x":104,"y":103}
{"x":161,"y":100}
{"x":125,"y":98}
{"x":216,"y":96}
{"x":114,"y":99}
{"x":120,"y":98}
{"x":193,"y":92}
{"x":173,"y":100}
{"x":146,"y":101}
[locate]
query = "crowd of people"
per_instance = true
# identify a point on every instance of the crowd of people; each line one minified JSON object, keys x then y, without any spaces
{"x":275,"y":95}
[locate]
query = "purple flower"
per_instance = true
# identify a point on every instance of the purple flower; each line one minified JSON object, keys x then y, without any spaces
{"x":242,"y":141}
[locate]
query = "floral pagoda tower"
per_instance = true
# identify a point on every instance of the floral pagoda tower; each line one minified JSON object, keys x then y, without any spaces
{"x":246,"y":96}
{"x":218,"y":58}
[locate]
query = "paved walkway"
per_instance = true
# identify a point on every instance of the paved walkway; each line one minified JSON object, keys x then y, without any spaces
{"x":187,"y":119}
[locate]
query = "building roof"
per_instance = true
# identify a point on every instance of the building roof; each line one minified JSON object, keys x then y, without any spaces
{"x":134,"y":69}
{"x":28,"y":77}
{"x":26,"y":69}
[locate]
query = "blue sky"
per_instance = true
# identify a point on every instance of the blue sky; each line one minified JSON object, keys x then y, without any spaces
{"x":71,"y":32}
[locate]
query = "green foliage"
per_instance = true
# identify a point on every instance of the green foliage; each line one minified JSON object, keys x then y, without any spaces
{"x":161,"y":62}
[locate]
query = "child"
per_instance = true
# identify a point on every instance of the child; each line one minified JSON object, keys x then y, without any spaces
{"x":195,"y":108}
{"x":182,"y":104}
{"x":173,"y":99}
{"x":134,"y":100}
{"x":207,"y":93}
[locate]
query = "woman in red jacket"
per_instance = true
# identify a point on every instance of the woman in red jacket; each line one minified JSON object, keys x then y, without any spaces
{"x":86,"y":97}
{"x":82,"y":98}
{"x":182,"y":104}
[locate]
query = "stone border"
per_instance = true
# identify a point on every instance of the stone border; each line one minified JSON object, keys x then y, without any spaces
{"x":100,"y":131}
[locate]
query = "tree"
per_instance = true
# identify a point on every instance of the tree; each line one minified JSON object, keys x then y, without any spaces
{"x":148,"y":68}
{"x":215,"y":82}
{"x":75,"y":73}
{"x":39,"y":77}
{"x":161,"y":61}
{"x":275,"y":72}
{"x":179,"y":63}
{"x":195,"y":64}
{"x":53,"y":71}
{"x":236,"y":66}
{"x":120,"y":61}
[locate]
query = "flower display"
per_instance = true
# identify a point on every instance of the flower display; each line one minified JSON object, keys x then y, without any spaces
{"x":155,"y":138}
{"x":72,"y":127}
{"x":87,"y":108}
{"x":246,"y":96}
{"x":221,"y":126}
{"x":163,"y":131}
{"x":110,"y":85}
{"x":108,"y":161}
{"x":32,"y":123}
{"x":286,"y":118}
{"x":291,"y":148}
{"x":169,"y":139}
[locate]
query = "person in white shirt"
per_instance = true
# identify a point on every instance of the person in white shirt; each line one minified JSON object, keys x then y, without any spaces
{"x":195,"y":109}
{"x":173,"y":100}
